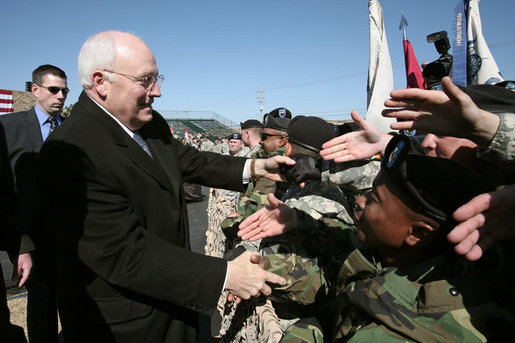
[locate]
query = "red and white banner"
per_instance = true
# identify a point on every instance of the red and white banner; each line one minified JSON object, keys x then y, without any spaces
{"x":186,"y":134}
{"x":6,"y":101}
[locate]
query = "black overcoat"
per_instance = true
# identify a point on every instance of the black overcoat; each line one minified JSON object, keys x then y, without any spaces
{"x":125,"y":271}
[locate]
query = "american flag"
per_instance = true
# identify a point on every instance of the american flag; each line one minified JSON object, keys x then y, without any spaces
{"x":6,"y":101}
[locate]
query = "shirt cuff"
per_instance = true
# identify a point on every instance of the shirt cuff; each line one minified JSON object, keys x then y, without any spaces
{"x":226,"y":274}
{"x":245,"y":175}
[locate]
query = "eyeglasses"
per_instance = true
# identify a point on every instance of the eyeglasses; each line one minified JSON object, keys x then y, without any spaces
{"x":146,"y":82}
{"x":264,"y":136}
{"x":54,"y":90}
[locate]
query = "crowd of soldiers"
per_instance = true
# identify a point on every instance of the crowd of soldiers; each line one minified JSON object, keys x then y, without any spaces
{"x":365,"y":230}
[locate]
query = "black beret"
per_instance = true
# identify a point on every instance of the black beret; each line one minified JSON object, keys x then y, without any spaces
{"x":280,"y":124}
{"x":432,"y":186}
{"x":235,"y":135}
{"x":280,"y":112}
{"x":250,"y":124}
{"x":310,"y":132}
{"x":491,"y":98}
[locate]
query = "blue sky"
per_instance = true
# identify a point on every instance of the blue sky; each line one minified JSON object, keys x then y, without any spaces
{"x":309,"y":56}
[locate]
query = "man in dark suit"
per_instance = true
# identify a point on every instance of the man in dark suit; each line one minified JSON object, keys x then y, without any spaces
{"x":17,"y":245}
{"x":25,"y":132}
{"x":125,"y":272}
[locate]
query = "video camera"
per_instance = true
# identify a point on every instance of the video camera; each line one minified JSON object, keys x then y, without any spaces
{"x":436,"y":70}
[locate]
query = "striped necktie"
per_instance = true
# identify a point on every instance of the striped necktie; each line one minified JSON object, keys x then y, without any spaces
{"x":137,"y":137}
{"x":53,"y":124}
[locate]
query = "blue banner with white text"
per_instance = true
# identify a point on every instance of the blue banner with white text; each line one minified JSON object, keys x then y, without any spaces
{"x":459,"y":46}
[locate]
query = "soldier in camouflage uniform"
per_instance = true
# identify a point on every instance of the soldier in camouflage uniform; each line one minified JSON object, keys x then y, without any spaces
{"x":221,"y":204}
{"x":485,"y":115}
{"x":250,"y":133}
{"x":251,"y":321}
{"x":408,"y":284}
{"x":326,"y":205}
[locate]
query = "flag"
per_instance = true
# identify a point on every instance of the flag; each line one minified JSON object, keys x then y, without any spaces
{"x":414,"y":76}
{"x":380,"y":73}
{"x":413,"y":73}
{"x":171,"y":129}
{"x":481,"y":66}
{"x":6,"y":101}
{"x":186,"y":134}
{"x":459,"y":48}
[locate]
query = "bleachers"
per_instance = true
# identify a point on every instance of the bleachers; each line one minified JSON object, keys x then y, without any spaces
{"x":199,"y":122}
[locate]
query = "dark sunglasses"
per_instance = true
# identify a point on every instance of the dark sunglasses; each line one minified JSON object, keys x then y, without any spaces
{"x":54,"y":90}
{"x":264,"y":136}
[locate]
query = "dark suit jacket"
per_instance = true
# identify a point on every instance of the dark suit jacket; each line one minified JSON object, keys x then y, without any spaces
{"x":10,"y":237}
{"x":125,"y":269}
{"x":23,"y":139}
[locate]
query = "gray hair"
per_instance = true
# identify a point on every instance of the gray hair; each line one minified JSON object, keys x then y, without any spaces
{"x":97,"y":53}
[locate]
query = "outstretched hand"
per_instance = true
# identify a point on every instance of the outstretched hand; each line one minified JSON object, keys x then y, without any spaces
{"x":485,"y":219}
{"x":272,"y":220}
{"x":356,"y":145}
{"x":447,"y":113}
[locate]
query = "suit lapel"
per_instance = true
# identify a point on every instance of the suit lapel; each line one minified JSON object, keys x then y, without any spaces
{"x":127,"y":145}
{"x":33,"y":130}
{"x":164,"y":154}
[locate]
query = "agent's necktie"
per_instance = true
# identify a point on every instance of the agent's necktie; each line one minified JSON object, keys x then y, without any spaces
{"x":53,"y":124}
{"x":142,"y":143}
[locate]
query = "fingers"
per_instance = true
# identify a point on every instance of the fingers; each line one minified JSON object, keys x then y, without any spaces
{"x":403,"y":125}
{"x":482,"y":245}
{"x":466,"y":228}
{"x":475,"y":206}
{"x":474,"y":254}
{"x":258,"y":259}
{"x":453,"y":92}
{"x":23,"y":279}
{"x":250,"y":222}
{"x":275,"y":279}
{"x":466,"y":243}
{"x":231,"y":297}
{"x":406,"y":96}
{"x":363,"y":124}
{"x":274,"y":202}
{"x":250,"y":232}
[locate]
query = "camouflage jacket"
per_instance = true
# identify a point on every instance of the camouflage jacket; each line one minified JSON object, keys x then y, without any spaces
{"x":354,"y":178}
{"x":441,"y":299}
{"x":255,"y":197}
{"x":501,"y":150}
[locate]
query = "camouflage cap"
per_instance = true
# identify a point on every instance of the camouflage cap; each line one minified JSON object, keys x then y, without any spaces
{"x":310,"y":132}
{"x":434,"y":187}
{"x":250,"y":124}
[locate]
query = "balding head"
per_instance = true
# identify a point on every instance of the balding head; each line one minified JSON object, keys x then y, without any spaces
{"x":119,"y":71}
{"x":101,"y":51}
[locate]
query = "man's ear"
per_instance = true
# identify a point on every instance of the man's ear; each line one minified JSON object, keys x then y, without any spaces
{"x":34,"y":89}
{"x":283,"y":140}
{"x":289,"y":149}
{"x":420,"y":234}
{"x":99,"y":83}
